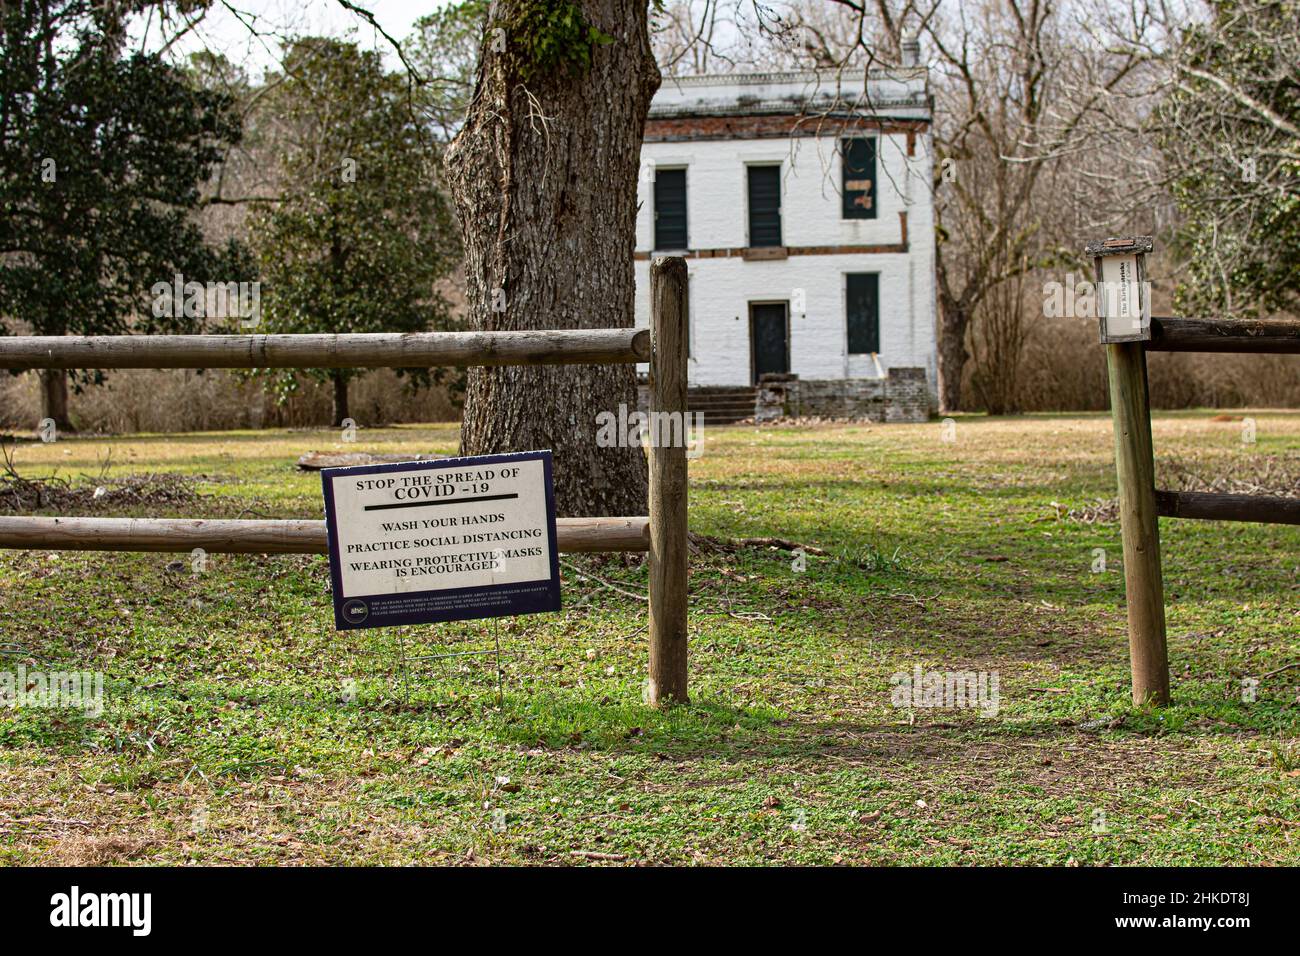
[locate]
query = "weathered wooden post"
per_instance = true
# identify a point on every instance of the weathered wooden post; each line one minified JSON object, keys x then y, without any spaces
{"x":668,"y":428}
{"x":1125,"y":317}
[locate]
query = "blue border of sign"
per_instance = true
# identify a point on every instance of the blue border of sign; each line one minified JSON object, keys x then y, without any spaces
{"x":495,"y":600}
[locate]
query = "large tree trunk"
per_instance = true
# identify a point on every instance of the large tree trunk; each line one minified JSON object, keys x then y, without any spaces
{"x":54,"y":397}
{"x":544,"y":177}
{"x":954,"y":318}
{"x":340,"y":400}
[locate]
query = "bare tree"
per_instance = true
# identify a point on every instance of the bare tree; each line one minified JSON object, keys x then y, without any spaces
{"x":1225,"y":76}
{"x":1014,"y":98}
{"x":685,"y":36}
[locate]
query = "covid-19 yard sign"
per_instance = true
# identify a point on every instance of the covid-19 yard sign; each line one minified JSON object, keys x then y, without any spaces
{"x":444,"y":540}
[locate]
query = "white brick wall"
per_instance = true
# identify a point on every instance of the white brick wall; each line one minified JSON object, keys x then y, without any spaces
{"x":722,"y":288}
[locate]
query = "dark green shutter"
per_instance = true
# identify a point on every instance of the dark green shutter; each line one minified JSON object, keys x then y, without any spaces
{"x":670,"y":209}
{"x":764,"y":205}
{"x":862,"y":312}
{"x":858,"y":182}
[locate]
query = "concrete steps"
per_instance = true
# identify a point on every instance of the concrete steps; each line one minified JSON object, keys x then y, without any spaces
{"x":722,"y":405}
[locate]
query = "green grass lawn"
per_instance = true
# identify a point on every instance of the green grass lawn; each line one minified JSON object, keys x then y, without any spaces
{"x":240,"y":727}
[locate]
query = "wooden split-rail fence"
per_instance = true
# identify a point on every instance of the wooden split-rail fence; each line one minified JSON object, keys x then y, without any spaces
{"x":662,"y":533}
{"x":1141,"y":503}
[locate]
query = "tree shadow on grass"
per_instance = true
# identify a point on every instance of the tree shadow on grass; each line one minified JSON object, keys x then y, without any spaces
{"x":712,"y":728}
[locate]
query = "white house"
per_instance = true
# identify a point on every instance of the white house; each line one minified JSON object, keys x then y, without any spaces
{"x":803,"y":205}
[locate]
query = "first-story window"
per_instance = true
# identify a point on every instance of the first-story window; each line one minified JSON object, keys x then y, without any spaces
{"x":862,"y":311}
{"x":670,"y":209}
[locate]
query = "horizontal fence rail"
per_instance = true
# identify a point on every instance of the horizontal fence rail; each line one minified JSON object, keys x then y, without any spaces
{"x":266,"y":536}
{"x":1220,"y":507}
{"x":359,"y":350}
{"x":1170,"y":334}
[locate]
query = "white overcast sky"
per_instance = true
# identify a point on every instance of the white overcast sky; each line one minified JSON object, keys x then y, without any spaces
{"x":225,"y":28}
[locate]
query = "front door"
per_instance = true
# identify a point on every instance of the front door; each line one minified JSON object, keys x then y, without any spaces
{"x":768,"y":337}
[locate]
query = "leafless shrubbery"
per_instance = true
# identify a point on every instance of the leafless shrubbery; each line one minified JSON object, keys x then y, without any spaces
{"x":997,"y":345}
{"x":177,"y":400}
{"x":1063,"y":369}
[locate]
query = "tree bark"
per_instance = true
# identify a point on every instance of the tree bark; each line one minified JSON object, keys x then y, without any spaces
{"x":340,"y":400}
{"x":954,"y":318}
{"x":54,"y":397}
{"x":544,"y":176}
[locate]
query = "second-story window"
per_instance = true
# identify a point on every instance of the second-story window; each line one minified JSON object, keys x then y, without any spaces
{"x":859,"y":178}
{"x":670,"y":209}
{"x":764,"y":205}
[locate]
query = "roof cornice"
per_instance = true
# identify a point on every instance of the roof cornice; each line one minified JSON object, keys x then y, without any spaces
{"x":805,"y":91}
{"x":795,"y":76}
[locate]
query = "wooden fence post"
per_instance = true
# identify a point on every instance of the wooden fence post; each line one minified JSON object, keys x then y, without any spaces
{"x":1135,"y":470}
{"x":668,"y":537}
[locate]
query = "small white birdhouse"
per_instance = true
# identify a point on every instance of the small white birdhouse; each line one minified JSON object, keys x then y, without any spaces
{"x":1123,"y":295}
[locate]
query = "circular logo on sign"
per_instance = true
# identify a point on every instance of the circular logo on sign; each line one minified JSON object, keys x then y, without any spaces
{"x":356,"y":611}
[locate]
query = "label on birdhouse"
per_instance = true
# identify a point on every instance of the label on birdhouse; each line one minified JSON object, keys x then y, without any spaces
{"x":445,"y":540}
{"x":1122,"y":297}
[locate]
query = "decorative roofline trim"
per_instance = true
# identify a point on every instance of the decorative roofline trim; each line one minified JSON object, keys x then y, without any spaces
{"x":696,"y":128}
{"x":786,"y":106}
{"x":794,"y":76}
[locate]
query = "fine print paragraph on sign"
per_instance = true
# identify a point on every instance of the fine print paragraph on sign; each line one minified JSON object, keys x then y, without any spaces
{"x":445,"y":540}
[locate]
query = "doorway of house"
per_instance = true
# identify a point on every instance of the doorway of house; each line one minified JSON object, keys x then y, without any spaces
{"x":769,"y":338}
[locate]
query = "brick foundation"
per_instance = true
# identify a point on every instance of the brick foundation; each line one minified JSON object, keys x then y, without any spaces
{"x":902,"y":396}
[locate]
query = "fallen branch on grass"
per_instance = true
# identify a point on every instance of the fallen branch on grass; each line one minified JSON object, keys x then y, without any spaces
{"x":592,"y":855}
{"x":588,"y":576}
